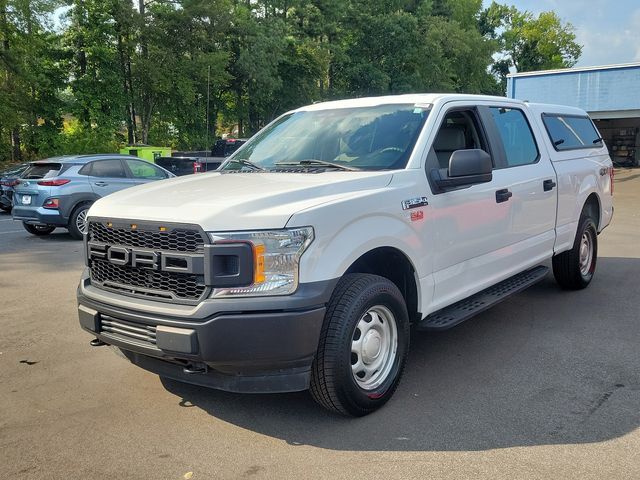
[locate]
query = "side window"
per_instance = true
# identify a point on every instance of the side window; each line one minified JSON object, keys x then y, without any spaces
{"x":144,"y":170}
{"x":459,"y":131}
{"x":108,"y":169}
{"x":519,"y":143}
{"x":86,"y":169}
{"x":571,"y":132}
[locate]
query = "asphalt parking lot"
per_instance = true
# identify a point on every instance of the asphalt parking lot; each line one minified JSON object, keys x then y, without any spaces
{"x":545,"y":385}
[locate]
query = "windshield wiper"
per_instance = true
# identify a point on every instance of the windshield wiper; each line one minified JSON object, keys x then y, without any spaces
{"x":315,"y":163}
{"x":245,"y":163}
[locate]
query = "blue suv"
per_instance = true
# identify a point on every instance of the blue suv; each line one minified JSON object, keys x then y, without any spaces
{"x":57,"y":192}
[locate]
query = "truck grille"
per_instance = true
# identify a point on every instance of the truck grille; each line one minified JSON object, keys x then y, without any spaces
{"x":129,"y":331}
{"x":148,"y":283}
{"x":144,"y":282}
{"x":176,"y":240}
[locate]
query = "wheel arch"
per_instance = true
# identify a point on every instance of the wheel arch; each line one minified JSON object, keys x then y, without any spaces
{"x":394,"y":265}
{"x":75,"y":200}
{"x":593,"y":205}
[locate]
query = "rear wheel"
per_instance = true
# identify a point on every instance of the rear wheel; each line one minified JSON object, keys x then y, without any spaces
{"x":574,"y":268}
{"x":78,"y":225}
{"x":363,"y":346}
{"x":38,"y":230}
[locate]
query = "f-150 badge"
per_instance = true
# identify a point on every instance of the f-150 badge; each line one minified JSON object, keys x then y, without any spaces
{"x":414,"y":203}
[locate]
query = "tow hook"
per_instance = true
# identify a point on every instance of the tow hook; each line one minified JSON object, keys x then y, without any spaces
{"x":96,"y":342}
{"x":196,"y":368}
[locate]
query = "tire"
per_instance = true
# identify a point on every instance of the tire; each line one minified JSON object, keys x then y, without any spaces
{"x":574,"y":269}
{"x":39,"y":230}
{"x":5,"y":208}
{"x":359,"y":302}
{"x":78,"y":216}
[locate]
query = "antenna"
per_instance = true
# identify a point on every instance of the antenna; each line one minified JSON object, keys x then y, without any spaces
{"x":208,"y":97}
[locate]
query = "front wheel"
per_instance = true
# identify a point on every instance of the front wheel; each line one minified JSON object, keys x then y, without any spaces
{"x":574,"y":268}
{"x":38,"y":230}
{"x":363,"y":346}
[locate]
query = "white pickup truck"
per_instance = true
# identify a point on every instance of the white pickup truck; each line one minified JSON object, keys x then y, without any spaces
{"x":304,"y":262}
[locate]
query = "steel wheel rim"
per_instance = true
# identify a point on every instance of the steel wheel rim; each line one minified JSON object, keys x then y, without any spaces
{"x":374,"y":346}
{"x":81,"y":221}
{"x":586,"y":254}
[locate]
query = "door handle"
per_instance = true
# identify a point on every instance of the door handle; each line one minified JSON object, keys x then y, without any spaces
{"x":101,"y":184}
{"x":503,"y":195}
{"x":548,"y":185}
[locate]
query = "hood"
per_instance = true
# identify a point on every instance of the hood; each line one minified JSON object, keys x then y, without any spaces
{"x":234,"y":201}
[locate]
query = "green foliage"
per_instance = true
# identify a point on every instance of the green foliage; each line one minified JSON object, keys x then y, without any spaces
{"x":182,"y":72}
{"x":30,"y":78}
{"x":79,"y":138}
{"x":527,"y":42}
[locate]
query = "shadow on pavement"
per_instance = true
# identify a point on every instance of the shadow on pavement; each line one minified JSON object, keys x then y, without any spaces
{"x":626,"y":179}
{"x":22,"y":252}
{"x":544,"y":367}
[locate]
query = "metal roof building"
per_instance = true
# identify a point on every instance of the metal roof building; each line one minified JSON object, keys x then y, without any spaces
{"x":610,"y":93}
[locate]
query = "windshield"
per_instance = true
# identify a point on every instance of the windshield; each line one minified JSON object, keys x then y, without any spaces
{"x":363,"y":138}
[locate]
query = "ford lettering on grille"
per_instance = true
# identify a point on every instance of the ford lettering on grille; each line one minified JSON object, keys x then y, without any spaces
{"x":145,"y":258}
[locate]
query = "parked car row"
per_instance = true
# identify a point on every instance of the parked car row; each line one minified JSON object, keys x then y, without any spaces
{"x":8,"y":180}
{"x":57,"y":192}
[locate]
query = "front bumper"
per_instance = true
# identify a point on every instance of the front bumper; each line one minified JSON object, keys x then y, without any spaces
{"x":38,"y":216}
{"x":243,"y":345}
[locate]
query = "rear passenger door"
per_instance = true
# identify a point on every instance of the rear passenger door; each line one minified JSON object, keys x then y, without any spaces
{"x":107,"y":176}
{"x":526,"y":170}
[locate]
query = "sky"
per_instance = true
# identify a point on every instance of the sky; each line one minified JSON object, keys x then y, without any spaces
{"x":608,"y":30}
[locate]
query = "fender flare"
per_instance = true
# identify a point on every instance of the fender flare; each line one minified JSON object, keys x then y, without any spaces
{"x":328,"y":258}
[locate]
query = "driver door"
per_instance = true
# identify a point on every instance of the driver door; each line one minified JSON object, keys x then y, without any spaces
{"x":469,"y":224}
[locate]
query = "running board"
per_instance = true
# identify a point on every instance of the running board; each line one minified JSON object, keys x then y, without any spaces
{"x":464,"y":309}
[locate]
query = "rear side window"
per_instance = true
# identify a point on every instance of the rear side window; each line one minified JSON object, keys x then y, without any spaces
{"x":42,"y":170}
{"x":569,"y":132}
{"x":144,"y":170}
{"x":519,"y":144}
{"x":107,"y":169}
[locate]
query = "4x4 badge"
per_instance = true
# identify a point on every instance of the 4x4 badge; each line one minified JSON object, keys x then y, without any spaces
{"x":414,"y":203}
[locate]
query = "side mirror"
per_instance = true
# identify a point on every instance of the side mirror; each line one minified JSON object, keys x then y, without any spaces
{"x":466,"y":168}
{"x":466,"y":163}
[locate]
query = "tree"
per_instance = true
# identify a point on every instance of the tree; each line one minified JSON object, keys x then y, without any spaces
{"x":182,"y":72}
{"x":98,"y":100}
{"x":527,"y":42}
{"x":30,"y":78}
{"x":186,"y":76}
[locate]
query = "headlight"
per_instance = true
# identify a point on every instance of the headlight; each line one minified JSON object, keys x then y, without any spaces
{"x":276,"y":258}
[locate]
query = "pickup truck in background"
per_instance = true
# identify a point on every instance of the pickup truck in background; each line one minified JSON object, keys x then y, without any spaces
{"x":186,"y":163}
{"x":309,"y":257}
